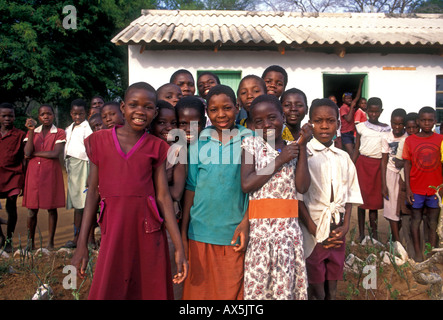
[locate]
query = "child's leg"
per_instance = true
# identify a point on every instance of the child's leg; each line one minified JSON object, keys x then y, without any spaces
{"x":373,"y":220}
{"x":361,"y":214}
{"x":415,"y":232}
{"x":433,"y":214}
{"x":11,"y":209}
{"x":331,"y":289}
{"x":32,"y":224}
{"x":52,"y":226}
{"x":78,"y":216}
{"x":395,"y":229}
{"x":316,"y":291}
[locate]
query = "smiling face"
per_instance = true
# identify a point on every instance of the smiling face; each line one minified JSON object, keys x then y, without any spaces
{"x":185,"y":117}
{"x":294,"y":108}
{"x":222,"y":112}
{"x":170,"y":93}
{"x":164,"y":122}
{"x":325,"y":123}
{"x":248,"y":90}
{"x":205,"y":83}
{"x":111,"y":116}
{"x":275,"y":83}
{"x":267,"y":117}
{"x":46,"y":116}
{"x":97,"y":103}
{"x":139,"y":109}
{"x":374,"y":113}
{"x":7,"y":117}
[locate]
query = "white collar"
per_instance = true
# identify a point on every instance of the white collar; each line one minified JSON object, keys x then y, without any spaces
{"x":318,"y":146}
{"x":39,"y":129}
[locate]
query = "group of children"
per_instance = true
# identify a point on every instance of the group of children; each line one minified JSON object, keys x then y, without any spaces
{"x":219,"y":195}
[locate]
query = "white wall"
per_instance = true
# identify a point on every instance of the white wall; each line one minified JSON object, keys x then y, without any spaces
{"x":408,"y":89}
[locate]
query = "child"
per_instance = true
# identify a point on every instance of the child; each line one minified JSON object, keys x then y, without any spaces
{"x":129,"y":165}
{"x":189,"y":110}
{"x":215,"y":206}
{"x":96,"y":122}
{"x":276,"y":79}
{"x":77,"y":165}
{"x":249,"y":88}
{"x":423,"y":168}
{"x":326,"y":208}
{"x":389,"y":173}
{"x":163,"y":123}
{"x":184,"y":79}
{"x":404,"y":208}
{"x":273,"y":171}
{"x":11,"y":170}
{"x":170,"y":92}
{"x":347,"y":118}
{"x":111,"y":115}
{"x":44,"y":185}
{"x":295,"y":107}
{"x":367,"y":158}
{"x":96,"y":105}
{"x":205,"y":81}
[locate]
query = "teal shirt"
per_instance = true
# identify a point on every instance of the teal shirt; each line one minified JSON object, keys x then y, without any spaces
{"x":214,"y":176}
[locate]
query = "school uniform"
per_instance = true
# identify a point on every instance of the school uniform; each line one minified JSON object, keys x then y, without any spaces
{"x":330,"y":168}
{"x":11,"y":163}
{"x":77,"y":164}
{"x":216,"y":271}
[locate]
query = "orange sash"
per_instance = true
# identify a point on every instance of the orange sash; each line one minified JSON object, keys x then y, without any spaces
{"x":273,"y":208}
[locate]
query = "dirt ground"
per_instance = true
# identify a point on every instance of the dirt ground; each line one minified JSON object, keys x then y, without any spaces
{"x":21,"y":276}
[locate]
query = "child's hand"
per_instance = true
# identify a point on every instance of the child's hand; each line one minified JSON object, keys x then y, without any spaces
{"x":410,"y":196}
{"x":385,"y":192}
{"x":305,"y":134}
{"x":242,"y":232}
{"x":182,"y":268}
{"x":289,"y":152}
{"x":30,"y":124}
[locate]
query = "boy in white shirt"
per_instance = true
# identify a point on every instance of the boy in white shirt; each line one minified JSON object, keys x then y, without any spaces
{"x":326,"y":208}
{"x":77,"y":164}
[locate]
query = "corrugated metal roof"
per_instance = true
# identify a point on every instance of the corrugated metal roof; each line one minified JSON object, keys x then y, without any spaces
{"x":287,"y":28}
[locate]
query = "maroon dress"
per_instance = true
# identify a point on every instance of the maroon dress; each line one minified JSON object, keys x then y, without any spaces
{"x":11,"y":162}
{"x":133,"y":261}
{"x":44,"y":185}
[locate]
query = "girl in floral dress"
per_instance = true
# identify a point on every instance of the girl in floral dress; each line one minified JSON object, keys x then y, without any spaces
{"x":273,"y":172}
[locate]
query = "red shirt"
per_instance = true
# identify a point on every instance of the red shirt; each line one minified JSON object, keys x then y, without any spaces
{"x":426,"y":168}
{"x":345,"y":125}
{"x":11,"y":160}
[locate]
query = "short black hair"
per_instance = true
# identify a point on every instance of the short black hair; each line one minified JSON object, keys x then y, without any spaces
{"x":411,"y":116}
{"x":294,"y":91}
{"x":6,"y":105}
{"x":267,"y":98}
{"x":325,"y":102}
{"x":279,"y":69}
{"x":180,"y":71}
{"x":162,"y":104}
{"x":111,"y":103}
{"x":221,"y":89}
{"x":79,"y":103}
{"x":257,"y":78}
{"x":95,"y":115}
{"x":46,"y":105}
{"x":212,"y":74}
{"x":98,"y":97}
{"x":142,"y":86}
{"x":427,"y":110}
{"x":399,"y":112}
{"x":192,"y":102}
{"x":374,"y":101}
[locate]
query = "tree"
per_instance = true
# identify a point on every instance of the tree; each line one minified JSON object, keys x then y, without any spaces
{"x":45,"y":58}
{"x":208,"y":4}
{"x":430,"y":6}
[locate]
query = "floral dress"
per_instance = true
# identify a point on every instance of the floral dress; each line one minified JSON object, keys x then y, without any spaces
{"x":274,"y":261}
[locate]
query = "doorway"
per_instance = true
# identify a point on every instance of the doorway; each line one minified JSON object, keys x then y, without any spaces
{"x":337,"y":84}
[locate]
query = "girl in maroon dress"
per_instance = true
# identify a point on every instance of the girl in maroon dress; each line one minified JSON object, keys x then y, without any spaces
{"x":128,"y":173}
{"x":44,"y":186}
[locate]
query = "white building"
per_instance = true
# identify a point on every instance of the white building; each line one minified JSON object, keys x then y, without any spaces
{"x":400,"y":56}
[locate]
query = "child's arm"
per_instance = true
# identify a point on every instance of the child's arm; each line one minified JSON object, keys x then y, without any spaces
{"x":242,"y":232}
{"x":356,"y":152}
{"x":306,"y":218}
{"x":302,"y":175}
{"x":29,"y":146}
{"x":252,"y":180}
{"x":409,"y":194}
{"x":165,"y":205}
{"x":384,"y":167}
{"x":357,"y":96}
{"x":81,"y":254}
{"x":336,"y":237}
{"x":178,"y":182}
{"x":188,"y":202}
{"x":53,"y":154}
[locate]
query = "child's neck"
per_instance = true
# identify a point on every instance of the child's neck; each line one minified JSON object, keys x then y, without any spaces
{"x":294,"y":129}
{"x":5,"y":130}
{"x":223,"y":134}
{"x":376,"y":122}
{"x":425,"y":134}
{"x":398,"y":135}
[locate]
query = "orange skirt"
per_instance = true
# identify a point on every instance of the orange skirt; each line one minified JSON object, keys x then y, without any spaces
{"x":215,"y":272}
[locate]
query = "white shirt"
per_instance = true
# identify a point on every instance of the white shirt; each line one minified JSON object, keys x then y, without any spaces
{"x":328,"y":167}
{"x":75,"y":136}
{"x":390,"y":145}
{"x":370,"y":138}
